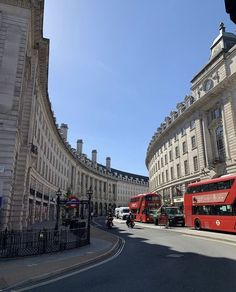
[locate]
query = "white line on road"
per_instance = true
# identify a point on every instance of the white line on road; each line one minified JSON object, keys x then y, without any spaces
{"x":174,"y":255}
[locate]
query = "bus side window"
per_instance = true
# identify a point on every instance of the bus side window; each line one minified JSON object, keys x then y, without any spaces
{"x":213,"y":210}
{"x":195,"y":210}
{"x":213,"y":187}
{"x":234,"y":208}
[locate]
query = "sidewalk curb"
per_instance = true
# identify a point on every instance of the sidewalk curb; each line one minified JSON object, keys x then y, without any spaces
{"x":99,"y":258}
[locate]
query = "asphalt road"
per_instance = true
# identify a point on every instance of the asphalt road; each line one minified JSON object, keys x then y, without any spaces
{"x":158,"y":260}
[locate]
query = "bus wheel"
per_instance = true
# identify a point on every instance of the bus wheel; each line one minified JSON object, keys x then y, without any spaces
{"x":197,"y":224}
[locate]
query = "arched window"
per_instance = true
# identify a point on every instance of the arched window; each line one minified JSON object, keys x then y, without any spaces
{"x":220,"y":142}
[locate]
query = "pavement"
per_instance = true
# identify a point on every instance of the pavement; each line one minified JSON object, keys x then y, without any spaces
{"x":19,"y":272}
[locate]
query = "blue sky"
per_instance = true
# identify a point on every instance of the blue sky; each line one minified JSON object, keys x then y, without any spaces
{"x":117,"y":68}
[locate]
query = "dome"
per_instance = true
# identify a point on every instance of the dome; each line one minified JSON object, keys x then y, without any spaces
{"x":224,"y":41}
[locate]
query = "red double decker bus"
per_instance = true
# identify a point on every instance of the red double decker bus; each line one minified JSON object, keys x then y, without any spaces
{"x":142,"y":206}
{"x":211,"y":204}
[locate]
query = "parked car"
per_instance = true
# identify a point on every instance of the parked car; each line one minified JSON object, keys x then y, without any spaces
{"x":168,"y":215}
{"x":123,"y":213}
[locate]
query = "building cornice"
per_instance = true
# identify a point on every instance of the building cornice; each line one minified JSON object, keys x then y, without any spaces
{"x":208,"y":65}
{"x":40,"y":48}
{"x":166,"y":128}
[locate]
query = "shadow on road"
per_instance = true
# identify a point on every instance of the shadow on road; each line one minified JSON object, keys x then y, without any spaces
{"x":152,"y":266}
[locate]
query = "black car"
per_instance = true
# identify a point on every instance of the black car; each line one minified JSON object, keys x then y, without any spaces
{"x":168,"y":215}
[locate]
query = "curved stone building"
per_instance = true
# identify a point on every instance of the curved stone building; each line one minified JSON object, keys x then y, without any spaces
{"x":35,"y":158}
{"x":198,"y":139}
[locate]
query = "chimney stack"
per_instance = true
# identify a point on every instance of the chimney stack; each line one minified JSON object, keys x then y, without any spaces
{"x":64,"y":129}
{"x":94,"y":157}
{"x":79,"y":147}
{"x":108,"y":163}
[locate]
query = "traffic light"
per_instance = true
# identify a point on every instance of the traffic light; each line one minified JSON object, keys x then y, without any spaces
{"x":230,"y":7}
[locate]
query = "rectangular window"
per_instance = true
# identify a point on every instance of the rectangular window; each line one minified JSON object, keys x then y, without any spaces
{"x":192,"y":125}
{"x":193,"y":141}
{"x":167,"y":175}
{"x":220,"y":210}
{"x":40,"y":163}
{"x":178,"y":170}
{"x":104,"y":187}
{"x":170,"y":155}
{"x":195,"y":163}
{"x":166,"y":159}
{"x":216,"y":114}
{"x":43,"y":170}
{"x":184,"y":146}
{"x":210,"y":187}
{"x":177,"y":151}
{"x":186,"y":170}
{"x":172,"y":173}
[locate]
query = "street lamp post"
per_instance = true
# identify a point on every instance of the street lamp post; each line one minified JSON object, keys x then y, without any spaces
{"x":58,"y":194}
{"x":89,"y":194}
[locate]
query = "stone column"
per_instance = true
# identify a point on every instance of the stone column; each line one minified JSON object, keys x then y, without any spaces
{"x":33,"y":210}
{"x":200,"y":143}
{"x":229,"y":120}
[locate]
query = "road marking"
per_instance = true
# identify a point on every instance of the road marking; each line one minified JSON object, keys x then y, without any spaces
{"x":57,"y":278}
{"x":174,"y":255}
{"x":98,"y":224}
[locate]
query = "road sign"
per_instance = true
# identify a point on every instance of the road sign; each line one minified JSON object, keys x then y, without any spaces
{"x":72,"y":202}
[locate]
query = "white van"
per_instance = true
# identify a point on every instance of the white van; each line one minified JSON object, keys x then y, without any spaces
{"x":123,"y":213}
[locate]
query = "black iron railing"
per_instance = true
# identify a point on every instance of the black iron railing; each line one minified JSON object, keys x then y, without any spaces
{"x":33,"y":242}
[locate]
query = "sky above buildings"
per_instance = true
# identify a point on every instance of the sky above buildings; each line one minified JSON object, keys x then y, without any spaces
{"x":117,"y":68}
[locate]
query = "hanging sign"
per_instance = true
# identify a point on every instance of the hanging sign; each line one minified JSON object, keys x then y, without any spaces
{"x":72,"y":202}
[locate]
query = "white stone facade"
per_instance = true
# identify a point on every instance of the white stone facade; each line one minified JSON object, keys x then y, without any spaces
{"x":198,"y":140}
{"x":35,"y":158}
{"x":128,"y":187}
